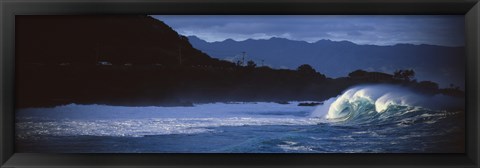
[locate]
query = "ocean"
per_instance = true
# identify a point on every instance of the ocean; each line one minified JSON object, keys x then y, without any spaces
{"x":363,"y":119}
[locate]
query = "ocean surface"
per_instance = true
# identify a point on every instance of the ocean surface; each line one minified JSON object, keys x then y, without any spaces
{"x":364,"y":119}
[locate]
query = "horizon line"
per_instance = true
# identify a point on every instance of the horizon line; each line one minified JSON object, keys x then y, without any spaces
{"x":296,"y":40}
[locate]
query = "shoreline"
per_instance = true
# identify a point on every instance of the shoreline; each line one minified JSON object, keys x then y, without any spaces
{"x":186,"y":104}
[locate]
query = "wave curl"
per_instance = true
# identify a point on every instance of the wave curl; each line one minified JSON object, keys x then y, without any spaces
{"x":371,"y":102}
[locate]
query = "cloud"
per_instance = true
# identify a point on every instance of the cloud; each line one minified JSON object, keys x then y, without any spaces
{"x":354,"y":33}
{"x":361,"y":29}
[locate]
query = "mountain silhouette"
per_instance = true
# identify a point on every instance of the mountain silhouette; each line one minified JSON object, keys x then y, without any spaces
{"x":102,"y":59}
{"x":444,"y":65}
{"x":141,"y":61}
{"x":117,"y":40}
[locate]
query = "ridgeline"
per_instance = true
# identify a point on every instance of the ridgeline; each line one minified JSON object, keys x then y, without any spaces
{"x":140,"y":61}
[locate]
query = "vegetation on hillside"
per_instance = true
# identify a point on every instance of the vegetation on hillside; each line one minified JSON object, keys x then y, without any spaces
{"x":140,"y":61}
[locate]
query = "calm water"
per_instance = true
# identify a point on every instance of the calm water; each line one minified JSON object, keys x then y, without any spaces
{"x":362,"y":120}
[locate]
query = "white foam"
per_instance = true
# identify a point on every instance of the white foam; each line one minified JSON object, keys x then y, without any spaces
{"x":103,"y":120}
{"x":293,"y":146}
{"x":382,"y":97}
{"x":142,"y":127}
{"x":321,"y":111}
{"x":212,"y":110}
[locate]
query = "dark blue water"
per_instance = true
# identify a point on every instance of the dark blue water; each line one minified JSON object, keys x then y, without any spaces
{"x":321,"y":138}
{"x":360,"y":121}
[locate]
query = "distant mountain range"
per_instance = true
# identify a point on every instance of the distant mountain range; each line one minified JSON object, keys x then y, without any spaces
{"x":141,"y":61}
{"x":444,"y":65}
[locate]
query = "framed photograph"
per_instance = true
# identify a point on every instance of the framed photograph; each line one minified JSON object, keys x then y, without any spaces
{"x":211,"y":83}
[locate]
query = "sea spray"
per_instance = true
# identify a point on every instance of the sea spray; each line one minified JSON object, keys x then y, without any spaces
{"x":241,"y":128}
{"x":371,"y":100}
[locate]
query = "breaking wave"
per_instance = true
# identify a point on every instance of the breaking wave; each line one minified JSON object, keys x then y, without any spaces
{"x":375,"y":103}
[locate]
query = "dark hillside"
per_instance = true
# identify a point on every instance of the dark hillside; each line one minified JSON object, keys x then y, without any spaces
{"x":88,"y":40}
{"x":140,"y":61}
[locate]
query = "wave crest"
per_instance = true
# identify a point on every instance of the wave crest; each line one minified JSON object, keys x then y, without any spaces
{"x":366,"y":102}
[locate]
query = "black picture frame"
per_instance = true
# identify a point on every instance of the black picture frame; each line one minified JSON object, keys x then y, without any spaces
{"x":9,"y":9}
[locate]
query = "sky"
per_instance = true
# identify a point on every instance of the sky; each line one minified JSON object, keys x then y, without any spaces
{"x":444,"y":30}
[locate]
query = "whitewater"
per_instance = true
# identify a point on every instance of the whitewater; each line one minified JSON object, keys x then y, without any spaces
{"x":363,"y":119}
